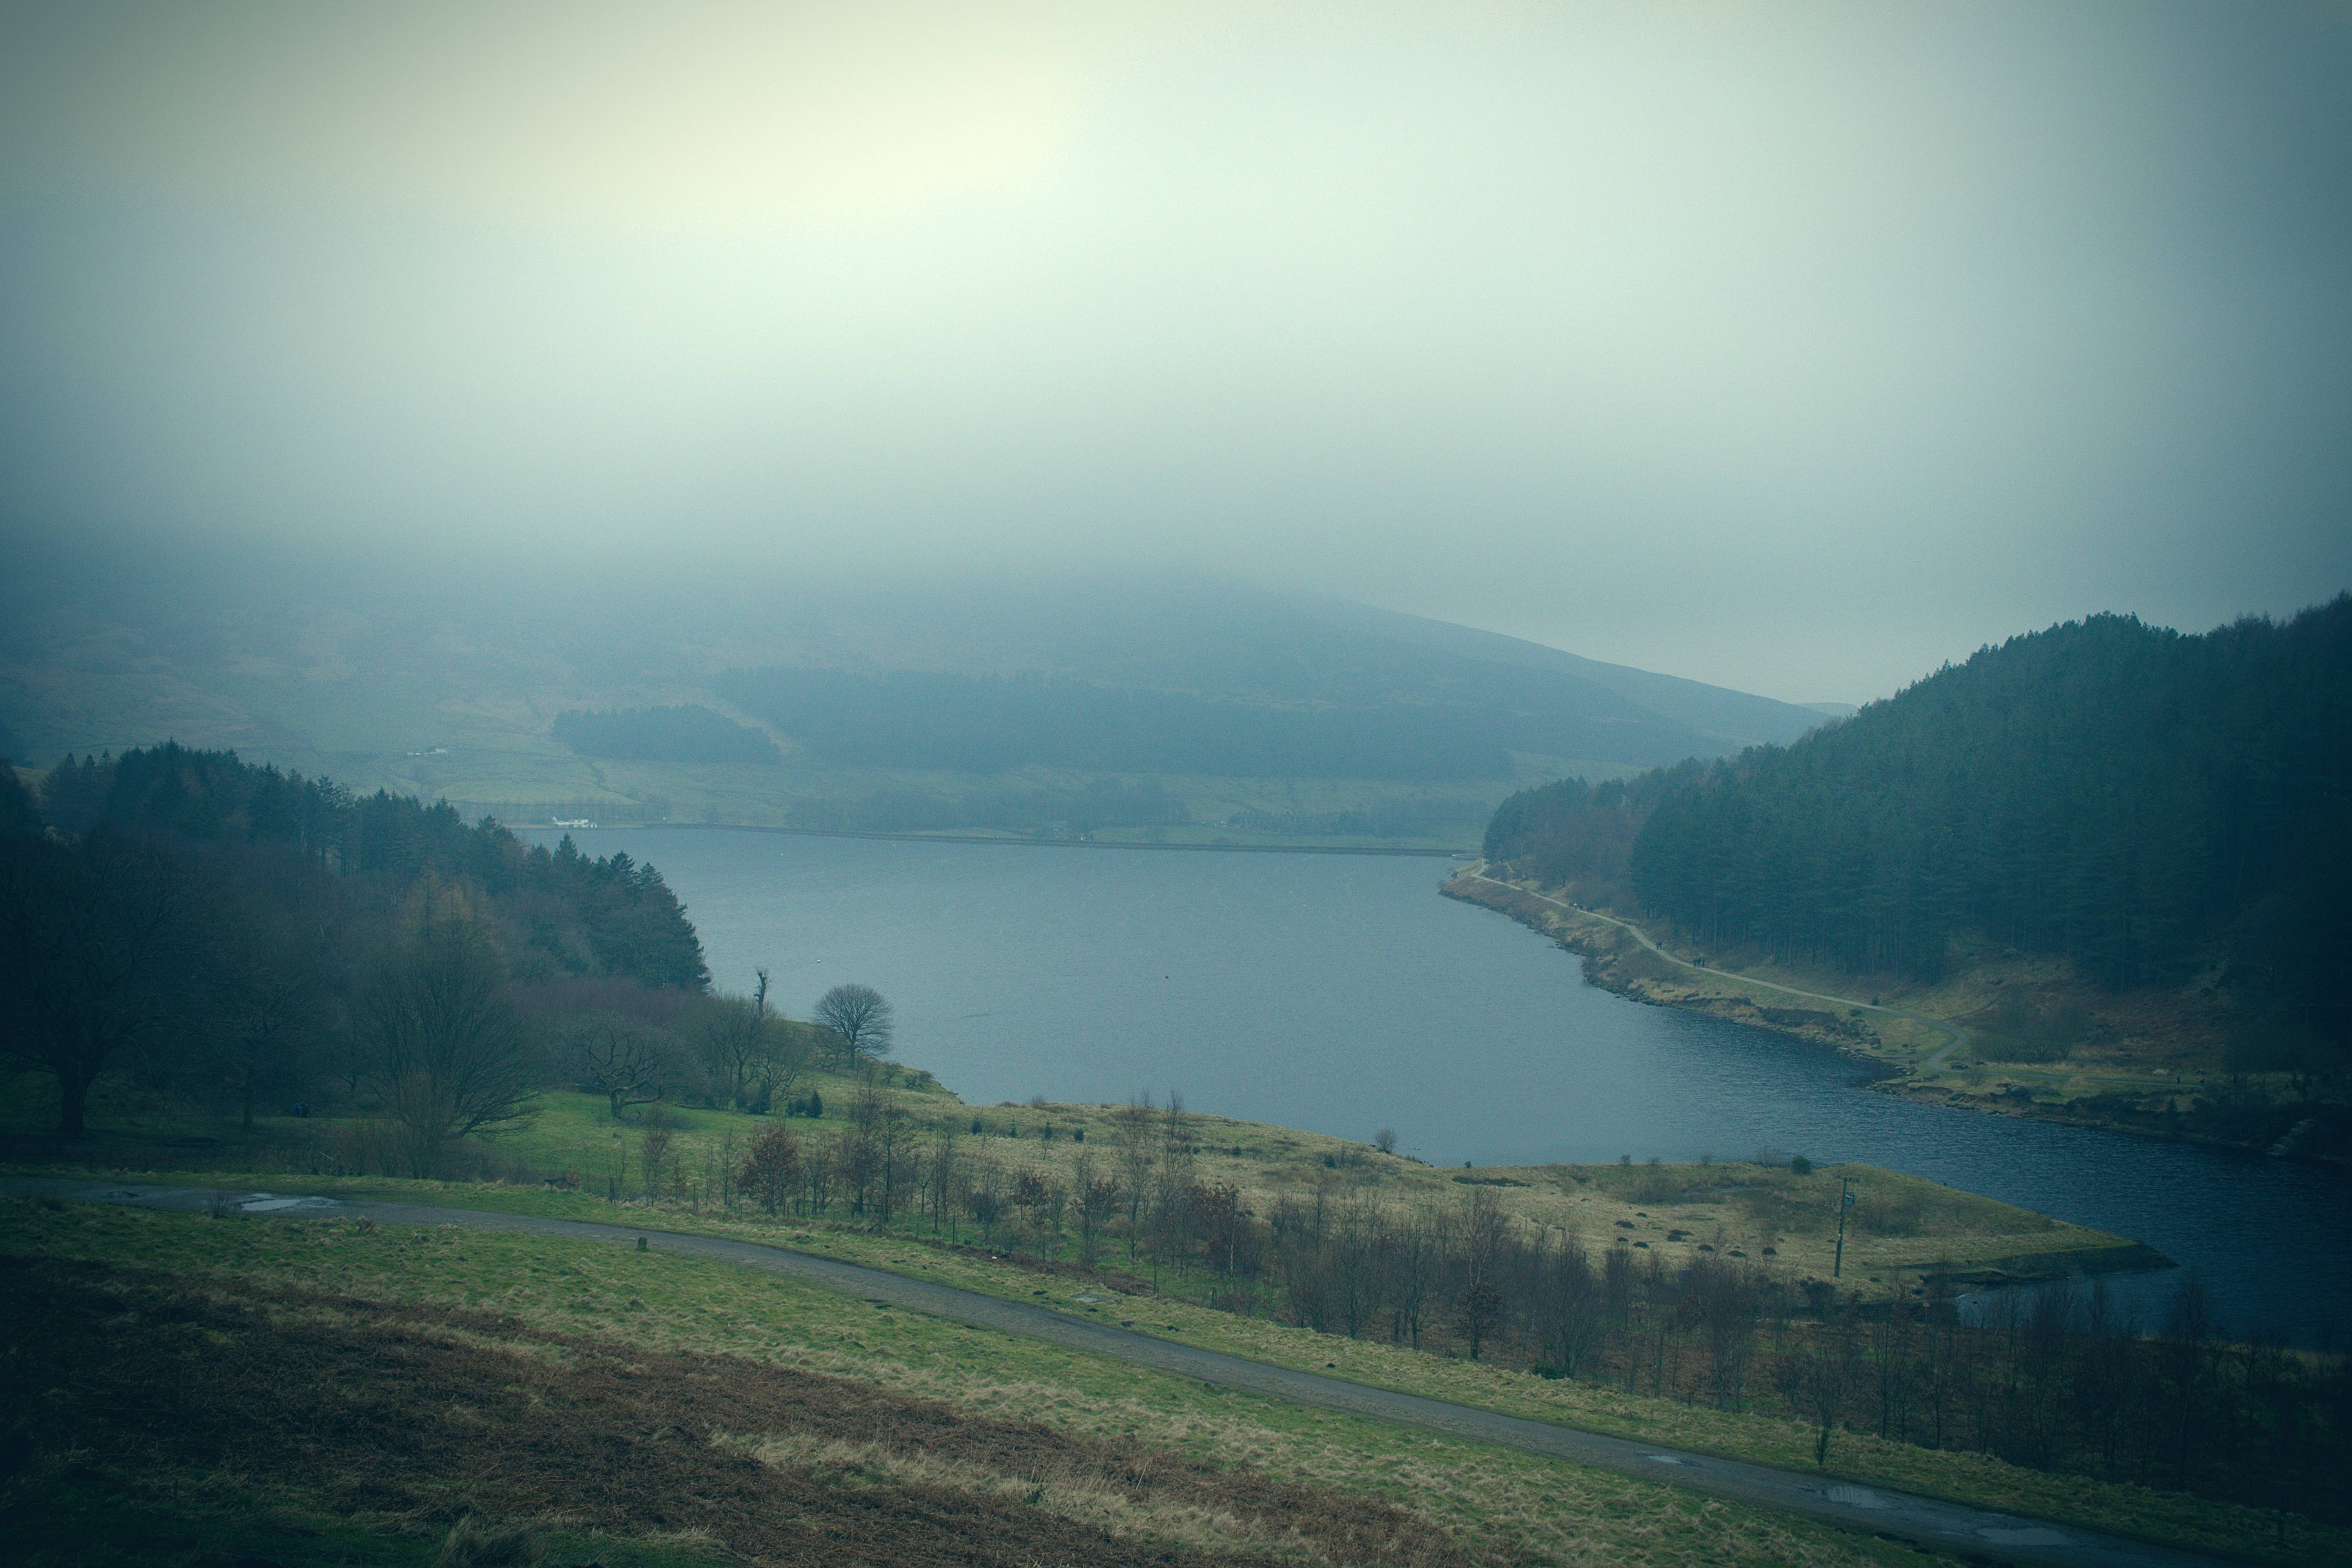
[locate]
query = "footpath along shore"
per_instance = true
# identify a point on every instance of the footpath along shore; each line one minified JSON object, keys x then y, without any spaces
{"x":1500,"y":896}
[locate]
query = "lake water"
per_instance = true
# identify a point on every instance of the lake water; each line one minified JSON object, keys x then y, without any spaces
{"x":1342,"y":994}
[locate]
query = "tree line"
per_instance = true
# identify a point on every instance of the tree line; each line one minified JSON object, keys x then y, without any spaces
{"x":179,"y":928}
{"x":2138,"y":800}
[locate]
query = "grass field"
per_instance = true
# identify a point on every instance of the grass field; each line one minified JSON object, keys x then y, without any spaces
{"x":1901,"y":1230}
{"x":964,"y":1437}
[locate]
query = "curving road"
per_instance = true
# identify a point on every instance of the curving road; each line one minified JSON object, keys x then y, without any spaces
{"x":1952,"y":1527}
{"x":1934,"y":1063}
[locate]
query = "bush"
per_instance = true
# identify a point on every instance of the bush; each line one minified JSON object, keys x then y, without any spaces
{"x":769,"y":1172}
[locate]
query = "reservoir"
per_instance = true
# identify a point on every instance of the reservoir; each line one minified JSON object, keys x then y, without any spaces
{"x":1342,"y":994}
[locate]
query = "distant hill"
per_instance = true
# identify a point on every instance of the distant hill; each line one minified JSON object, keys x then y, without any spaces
{"x":1219,"y":679}
{"x":900,"y":705}
{"x":683,"y":734}
{"x":1729,"y":721}
{"x":2141,"y":802}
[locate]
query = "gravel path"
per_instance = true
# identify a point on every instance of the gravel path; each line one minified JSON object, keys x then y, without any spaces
{"x":1984,"y":1535}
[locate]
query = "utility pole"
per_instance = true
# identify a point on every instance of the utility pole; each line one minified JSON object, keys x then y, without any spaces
{"x":1845,"y":1201}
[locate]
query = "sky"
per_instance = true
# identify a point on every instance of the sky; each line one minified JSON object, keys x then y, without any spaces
{"x":1795,"y":348}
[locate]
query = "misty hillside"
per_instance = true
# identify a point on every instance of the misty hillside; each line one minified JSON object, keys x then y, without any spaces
{"x":2146,"y":804}
{"x":1028,"y":708}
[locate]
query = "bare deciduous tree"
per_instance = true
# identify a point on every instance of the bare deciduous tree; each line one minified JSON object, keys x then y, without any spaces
{"x":448,"y":1057}
{"x":1478,"y":1297}
{"x":771,"y":1170}
{"x":627,"y":1062}
{"x":1131,"y":1130}
{"x":860,"y":1017}
{"x":1098,"y":1199}
{"x":1569,"y":1309}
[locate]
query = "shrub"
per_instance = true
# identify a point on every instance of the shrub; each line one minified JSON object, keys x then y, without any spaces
{"x":770,"y":1172}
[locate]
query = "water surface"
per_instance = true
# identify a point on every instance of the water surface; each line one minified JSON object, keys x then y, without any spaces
{"x":1342,"y":995}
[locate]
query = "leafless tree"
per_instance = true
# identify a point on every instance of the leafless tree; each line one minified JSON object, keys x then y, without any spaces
{"x":89,"y":934}
{"x":447,"y":1054}
{"x":1568,"y":1312}
{"x":983,"y":1191}
{"x":943,"y":1170}
{"x":1359,"y":1240}
{"x":771,"y":1170}
{"x":733,"y":1035}
{"x":1040,"y":1201}
{"x":1729,"y":1298}
{"x":1478,"y":1294}
{"x":860,"y":1017}
{"x":1131,"y":1132}
{"x":627,"y":1062}
{"x":653,"y":1148}
{"x":1824,"y":1367}
{"x":1099,"y":1198}
{"x":858,"y":1151}
{"x":820,"y":1175}
{"x":1416,"y":1250}
{"x":1171,"y":1211}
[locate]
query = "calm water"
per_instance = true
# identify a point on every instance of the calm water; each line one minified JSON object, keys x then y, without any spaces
{"x":1342,"y":994}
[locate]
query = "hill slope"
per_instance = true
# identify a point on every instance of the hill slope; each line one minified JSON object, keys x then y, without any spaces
{"x":2150,"y":812}
{"x":892,"y":706}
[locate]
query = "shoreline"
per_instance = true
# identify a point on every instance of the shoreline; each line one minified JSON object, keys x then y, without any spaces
{"x":1895,"y":1071}
{"x":986,"y":838}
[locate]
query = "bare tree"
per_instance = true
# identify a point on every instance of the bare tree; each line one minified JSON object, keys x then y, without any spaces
{"x":1728,"y":1298}
{"x":1131,"y":1130}
{"x":983,"y":1191}
{"x":859,"y":1152}
{"x":626,"y":1062}
{"x":860,"y":1016}
{"x":942,"y":1170}
{"x":87,"y":935}
{"x":1414,"y":1253}
{"x":1816,"y":1378}
{"x":445,"y":1052}
{"x":733,"y":1034}
{"x":1569,"y":1307}
{"x":1478,"y":1295}
{"x":1099,"y":1198}
{"x":771,"y":1170}
{"x":1359,"y":1240}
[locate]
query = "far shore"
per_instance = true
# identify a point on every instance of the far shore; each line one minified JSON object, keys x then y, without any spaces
{"x":1007,"y":839}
